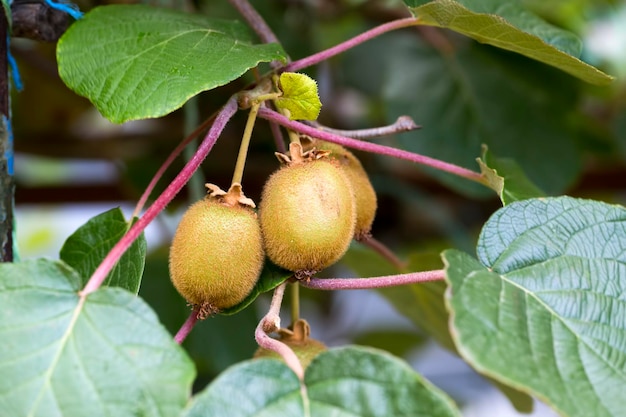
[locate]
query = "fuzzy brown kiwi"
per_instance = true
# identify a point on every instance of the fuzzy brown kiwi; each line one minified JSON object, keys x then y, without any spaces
{"x":299,"y":340}
{"x":217,"y":253}
{"x":307,"y":214}
{"x":364,"y":194}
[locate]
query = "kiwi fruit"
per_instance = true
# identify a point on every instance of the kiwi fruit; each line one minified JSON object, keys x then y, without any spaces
{"x":217,"y":253}
{"x":297,"y":338}
{"x":364,"y":194}
{"x":307,"y":213}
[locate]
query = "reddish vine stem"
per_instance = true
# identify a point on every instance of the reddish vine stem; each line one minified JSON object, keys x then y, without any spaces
{"x":170,"y":159}
{"x":372,"y":147}
{"x":331,"y":284}
{"x":271,"y":323}
{"x":163,"y":200}
{"x":350,"y":43}
{"x":187,"y":326}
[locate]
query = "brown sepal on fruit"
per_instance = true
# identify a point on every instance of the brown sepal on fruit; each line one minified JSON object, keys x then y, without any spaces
{"x":298,"y":156}
{"x":233,"y":197}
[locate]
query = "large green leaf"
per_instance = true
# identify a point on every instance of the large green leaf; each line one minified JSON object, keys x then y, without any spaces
{"x":136,"y":61}
{"x":360,"y":381}
{"x":103,"y":355}
{"x":543,"y":310}
{"x":478,"y":95}
{"x":343,"y":382}
{"x":87,"y":247}
{"x":508,"y":25}
{"x":423,"y":304}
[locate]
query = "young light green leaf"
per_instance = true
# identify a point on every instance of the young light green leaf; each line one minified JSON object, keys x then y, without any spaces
{"x":63,"y":355}
{"x":137,"y":61}
{"x":340,"y":382}
{"x":507,"y":178}
{"x":299,"y":97}
{"x":543,"y":309}
{"x":509,"y":26}
{"x":87,"y":247}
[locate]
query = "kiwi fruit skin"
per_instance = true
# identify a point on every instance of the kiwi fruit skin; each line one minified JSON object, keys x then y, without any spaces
{"x":364,"y":193}
{"x":307,"y":215}
{"x":216,"y":254}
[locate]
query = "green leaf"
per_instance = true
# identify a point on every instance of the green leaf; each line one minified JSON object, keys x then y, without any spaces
{"x":62,"y":355}
{"x":87,"y":247}
{"x":361,"y":381}
{"x":258,"y":388}
{"x":299,"y":97}
{"x":137,"y":61}
{"x":543,"y":309}
{"x":423,"y":304}
{"x":517,"y":107}
{"x":349,"y":381}
{"x":507,"y":178}
{"x":508,"y":25}
{"x":271,"y":277}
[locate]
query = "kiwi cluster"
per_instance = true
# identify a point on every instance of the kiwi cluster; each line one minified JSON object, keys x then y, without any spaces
{"x":310,"y":210}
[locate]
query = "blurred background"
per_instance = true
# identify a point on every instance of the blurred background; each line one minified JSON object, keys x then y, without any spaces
{"x":568,"y":137}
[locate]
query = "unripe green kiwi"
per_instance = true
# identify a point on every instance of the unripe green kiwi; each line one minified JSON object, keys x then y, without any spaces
{"x":305,"y":348}
{"x":217,"y":254}
{"x":307,"y":215}
{"x":364,"y":194}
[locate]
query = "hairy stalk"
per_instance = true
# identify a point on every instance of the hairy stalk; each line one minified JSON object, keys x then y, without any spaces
{"x":245,"y":144}
{"x":402,"y":124}
{"x":100,"y":274}
{"x":187,"y":326}
{"x":350,"y":43}
{"x":380,"y":248}
{"x":372,"y":147}
{"x":331,"y":284}
{"x":271,"y":323}
{"x":157,"y":176}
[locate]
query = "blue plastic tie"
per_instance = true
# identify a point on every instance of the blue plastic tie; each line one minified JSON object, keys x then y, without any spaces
{"x":15,"y":72}
{"x":68,"y":8}
{"x":8,"y":152}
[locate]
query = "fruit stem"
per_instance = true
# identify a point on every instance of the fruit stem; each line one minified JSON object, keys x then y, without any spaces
{"x":380,"y":248}
{"x":350,"y":43}
{"x":187,"y":326}
{"x":331,"y":284}
{"x":100,"y":274}
{"x":245,"y":144}
{"x":172,"y":156}
{"x":271,"y":323}
{"x":295,"y":302}
{"x":402,"y":124}
{"x":372,"y":147}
